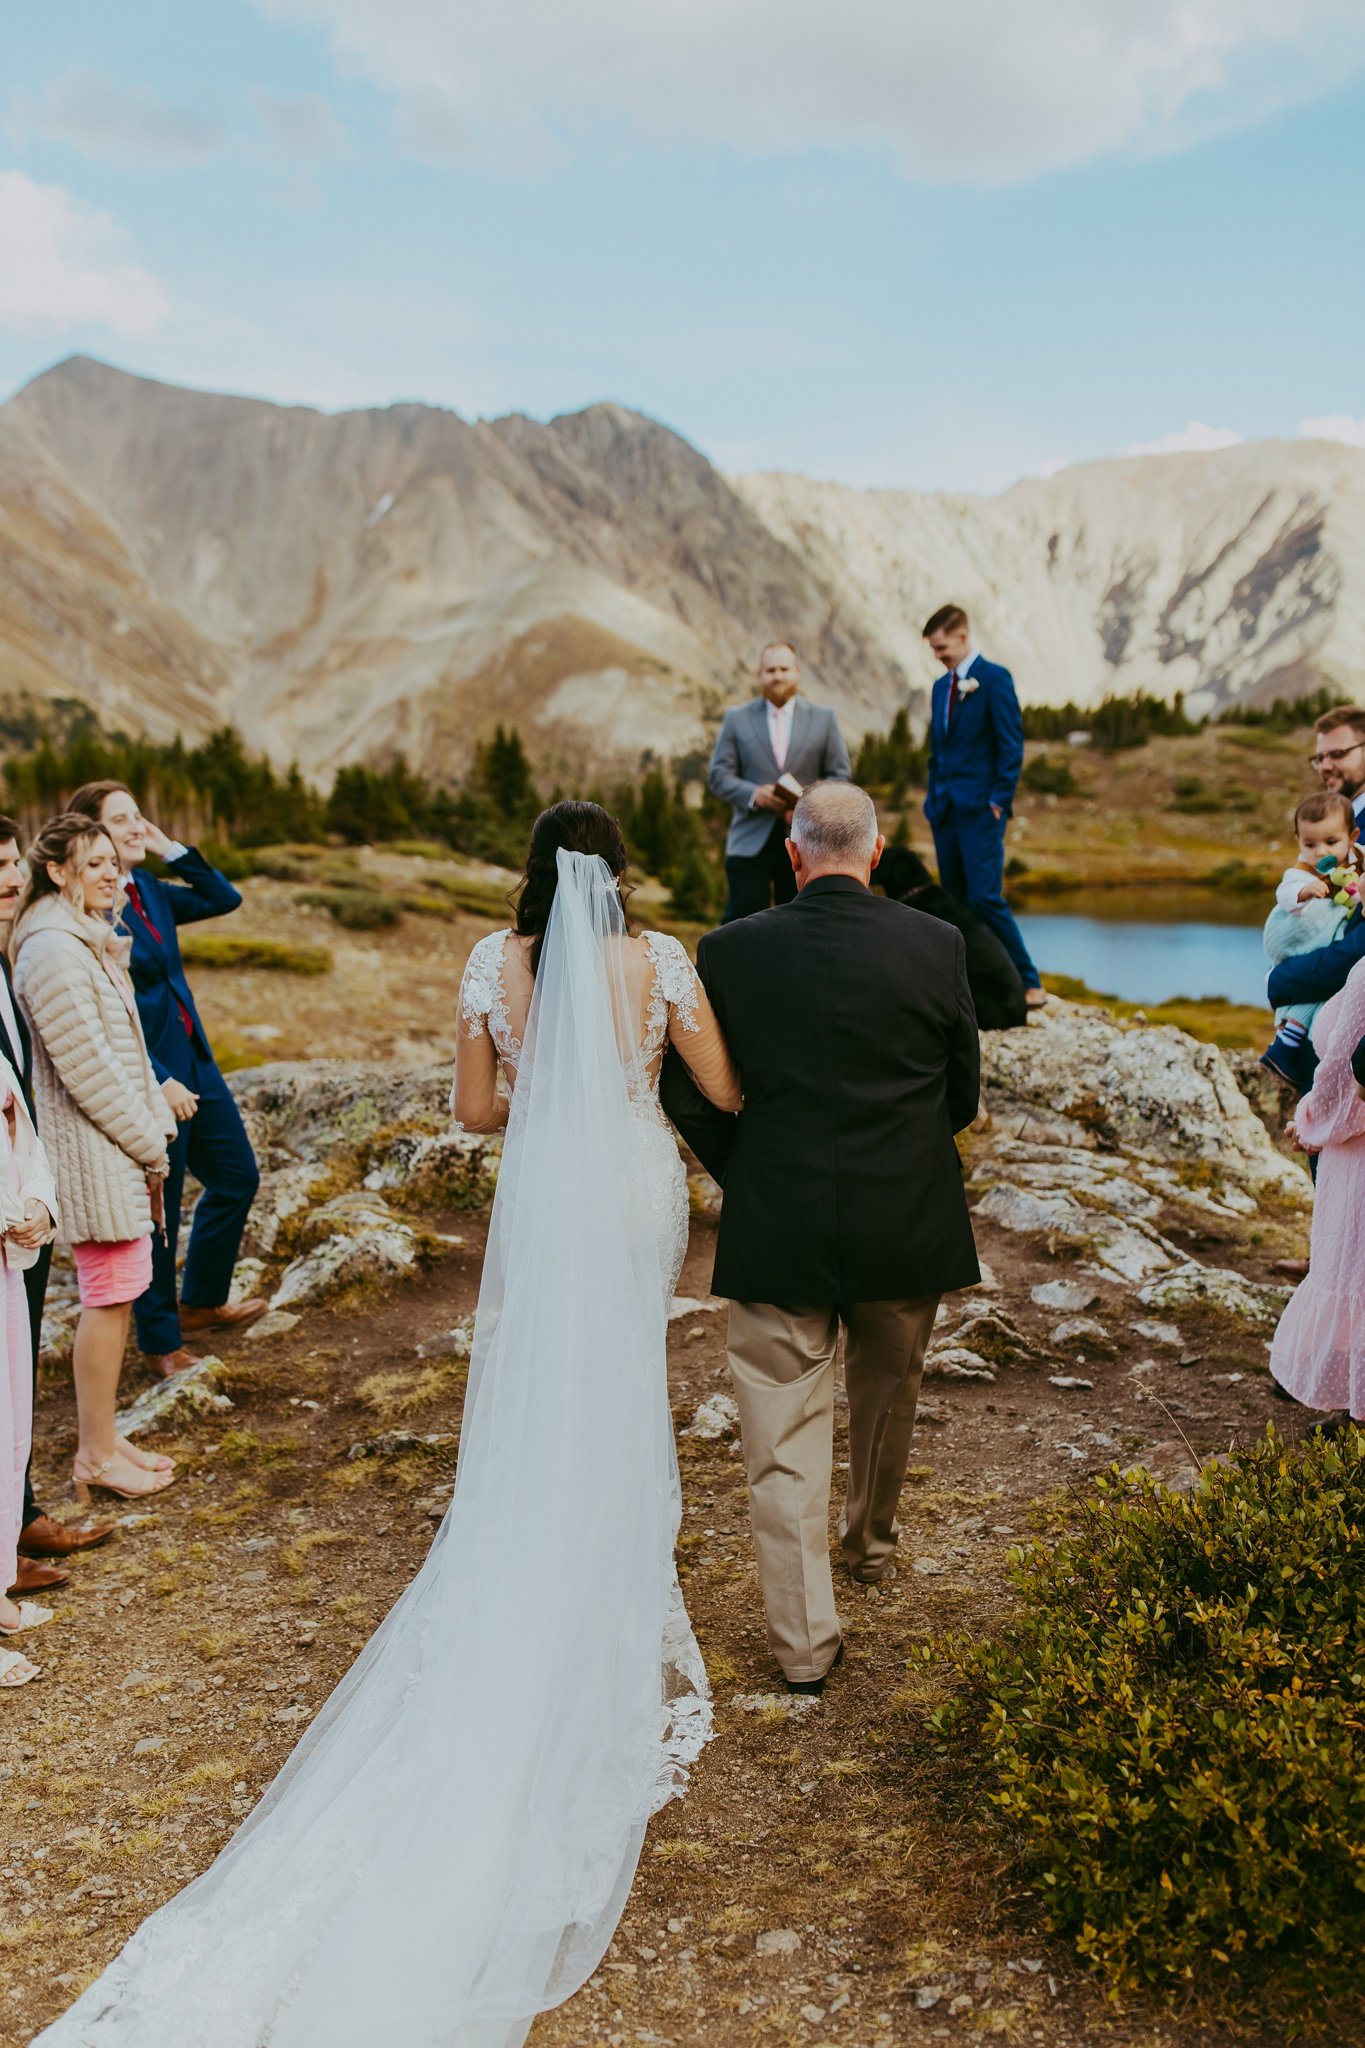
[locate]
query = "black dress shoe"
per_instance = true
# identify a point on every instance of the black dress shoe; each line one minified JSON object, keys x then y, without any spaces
{"x":816,"y":1686}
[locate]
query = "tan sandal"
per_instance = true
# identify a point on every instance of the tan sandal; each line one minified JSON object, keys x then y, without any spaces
{"x":85,"y":1484}
{"x":146,"y":1461}
{"x":31,"y":1615}
{"x":16,"y":1669}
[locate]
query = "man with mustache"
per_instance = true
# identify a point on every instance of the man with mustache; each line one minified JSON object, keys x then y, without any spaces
{"x":41,"y":1539}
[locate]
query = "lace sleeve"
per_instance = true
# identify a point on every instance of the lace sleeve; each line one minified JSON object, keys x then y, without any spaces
{"x":675,"y":979}
{"x":692,"y":1026}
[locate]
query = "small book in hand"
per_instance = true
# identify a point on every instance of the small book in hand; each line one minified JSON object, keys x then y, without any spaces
{"x":789,"y":787}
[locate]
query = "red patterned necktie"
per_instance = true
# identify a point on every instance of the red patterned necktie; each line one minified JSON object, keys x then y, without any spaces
{"x":952,"y":695}
{"x":135,"y":900}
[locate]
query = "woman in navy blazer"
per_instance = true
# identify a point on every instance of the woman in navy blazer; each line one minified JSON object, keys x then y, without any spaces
{"x":212,"y":1142}
{"x":976,"y":750}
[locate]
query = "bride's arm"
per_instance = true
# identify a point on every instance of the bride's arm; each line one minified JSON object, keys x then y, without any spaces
{"x":693,"y":1029}
{"x":476,"y":1101}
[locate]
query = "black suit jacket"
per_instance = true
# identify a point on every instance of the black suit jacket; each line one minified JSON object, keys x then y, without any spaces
{"x":20,"y":1056}
{"x":851,"y":1023}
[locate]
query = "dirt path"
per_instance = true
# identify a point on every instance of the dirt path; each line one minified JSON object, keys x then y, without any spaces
{"x":190,"y":1651}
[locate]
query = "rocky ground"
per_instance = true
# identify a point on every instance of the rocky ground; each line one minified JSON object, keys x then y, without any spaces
{"x":827,"y":1879}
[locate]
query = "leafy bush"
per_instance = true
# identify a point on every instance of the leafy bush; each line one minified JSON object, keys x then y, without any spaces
{"x":1236,"y":874}
{"x":1173,"y":1722}
{"x":215,"y":950}
{"x":357,"y":910}
{"x":1190,"y":795}
{"x":1048,"y":777}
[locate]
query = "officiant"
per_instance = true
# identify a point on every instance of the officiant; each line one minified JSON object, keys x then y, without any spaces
{"x":766,"y":752}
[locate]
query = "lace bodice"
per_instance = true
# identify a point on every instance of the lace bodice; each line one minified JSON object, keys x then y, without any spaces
{"x":671,"y":1006}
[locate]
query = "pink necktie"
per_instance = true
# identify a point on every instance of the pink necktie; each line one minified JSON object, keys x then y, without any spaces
{"x":779,"y":737}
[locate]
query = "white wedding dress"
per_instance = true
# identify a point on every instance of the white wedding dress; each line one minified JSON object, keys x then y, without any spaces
{"x":448,"y":1850}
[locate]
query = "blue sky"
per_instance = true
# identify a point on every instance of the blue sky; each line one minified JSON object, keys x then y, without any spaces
{"x":888,"y":243}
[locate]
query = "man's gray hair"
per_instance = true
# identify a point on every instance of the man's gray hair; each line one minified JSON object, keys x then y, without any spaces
{"x":835,"y":822}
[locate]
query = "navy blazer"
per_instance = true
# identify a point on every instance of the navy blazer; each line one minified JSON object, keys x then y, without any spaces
{"x":157,"y":969}
{"x":976,"y":760}
{"x":1313,"y":977}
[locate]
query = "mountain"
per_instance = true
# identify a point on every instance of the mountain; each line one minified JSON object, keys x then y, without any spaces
{"x":342,"y":586}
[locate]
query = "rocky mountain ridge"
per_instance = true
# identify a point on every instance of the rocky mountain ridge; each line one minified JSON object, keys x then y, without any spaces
{"x":391,"y":581}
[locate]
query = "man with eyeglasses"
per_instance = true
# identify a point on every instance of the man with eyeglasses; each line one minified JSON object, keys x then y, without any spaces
{"x":1339,"y":760}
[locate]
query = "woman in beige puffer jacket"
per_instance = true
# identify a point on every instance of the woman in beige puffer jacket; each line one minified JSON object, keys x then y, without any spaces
{"x":105,"y":1122}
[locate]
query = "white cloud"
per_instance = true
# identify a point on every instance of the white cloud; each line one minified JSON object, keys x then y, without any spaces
{"x":58,"y":267}
{"x":116,"y":123}
{"x":298,"y":126}
{"x":1334,"y":426}
{"x":983,"y":90}
{"x":1195,"y":439}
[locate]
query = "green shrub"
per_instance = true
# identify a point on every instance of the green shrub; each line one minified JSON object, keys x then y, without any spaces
{"x":1173,"y":1720}
{"x":1048,"y":777}
{"x":480,"y":899}
{"x":211,"y":950}
{"x":1236,"y":874}
{"x":358,"y":910}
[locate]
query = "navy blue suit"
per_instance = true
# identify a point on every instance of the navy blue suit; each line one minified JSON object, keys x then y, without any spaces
{"x":1313,"y":977}
{"x":212,"y":1145}
{"x":974,"y":761}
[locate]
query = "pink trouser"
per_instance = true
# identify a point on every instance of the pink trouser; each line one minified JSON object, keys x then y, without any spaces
{"x":16,"y":1415}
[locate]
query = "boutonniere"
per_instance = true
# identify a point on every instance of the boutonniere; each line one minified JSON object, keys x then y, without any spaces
{"x":966,"y":684}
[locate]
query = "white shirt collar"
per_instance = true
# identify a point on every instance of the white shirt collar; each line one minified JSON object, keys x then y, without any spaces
{"x":782,"y":711}
{"x":964,"y":665}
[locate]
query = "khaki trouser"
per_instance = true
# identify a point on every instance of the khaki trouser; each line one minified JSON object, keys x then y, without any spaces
{"x":782,"y":1367}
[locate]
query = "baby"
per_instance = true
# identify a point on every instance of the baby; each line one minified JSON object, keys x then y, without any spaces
{"x":1309,"y":911}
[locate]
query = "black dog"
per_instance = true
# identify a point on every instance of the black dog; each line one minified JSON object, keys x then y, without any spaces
{"x":992,"y":976}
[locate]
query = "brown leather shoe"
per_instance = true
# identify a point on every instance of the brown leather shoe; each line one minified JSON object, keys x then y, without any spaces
{"x":33,"y":1577}
{"x":169,"y":1363}
{"x":233,"y":1315}
{"x":42,"y":1537}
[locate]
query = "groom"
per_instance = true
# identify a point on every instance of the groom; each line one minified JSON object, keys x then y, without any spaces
{"x":976,"y":751}
{"x":851,"y":1024}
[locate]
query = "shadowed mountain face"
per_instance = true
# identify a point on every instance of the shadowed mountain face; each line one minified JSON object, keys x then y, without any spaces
{"x":341,"y":586}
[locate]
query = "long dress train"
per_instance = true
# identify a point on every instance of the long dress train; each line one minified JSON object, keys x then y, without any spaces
{"x":449,"y":1848}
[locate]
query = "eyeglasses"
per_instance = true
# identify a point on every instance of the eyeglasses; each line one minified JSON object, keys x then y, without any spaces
{"x":1321,"y":761}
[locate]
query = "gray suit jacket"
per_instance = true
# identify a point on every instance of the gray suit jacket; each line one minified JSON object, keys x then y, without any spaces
{"x":743,"y":761}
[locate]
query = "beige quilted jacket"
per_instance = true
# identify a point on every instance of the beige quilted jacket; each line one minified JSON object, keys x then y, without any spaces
{"x":103,"y":1117}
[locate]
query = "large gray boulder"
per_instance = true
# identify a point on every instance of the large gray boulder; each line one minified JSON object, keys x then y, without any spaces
{"x":1149,"y":1090}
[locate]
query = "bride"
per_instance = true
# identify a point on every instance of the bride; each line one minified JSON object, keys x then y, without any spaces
{"x":448,"y":1850}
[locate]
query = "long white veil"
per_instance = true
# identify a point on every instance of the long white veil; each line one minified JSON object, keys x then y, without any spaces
{"x":449,"y":1848}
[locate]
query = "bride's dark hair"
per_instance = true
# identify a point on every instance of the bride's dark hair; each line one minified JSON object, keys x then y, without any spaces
{"x":576,"y":828}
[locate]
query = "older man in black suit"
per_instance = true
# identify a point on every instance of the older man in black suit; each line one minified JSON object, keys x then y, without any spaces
{"x":851,"y":1022}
